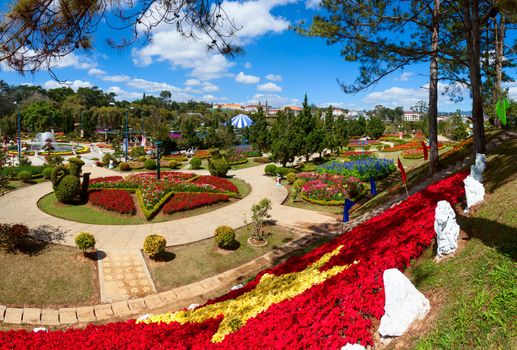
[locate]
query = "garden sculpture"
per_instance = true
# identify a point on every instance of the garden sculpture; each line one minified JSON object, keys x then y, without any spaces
{"x":447,"y":230}
{"x":66,"y":181}
{"x":474,"y":190}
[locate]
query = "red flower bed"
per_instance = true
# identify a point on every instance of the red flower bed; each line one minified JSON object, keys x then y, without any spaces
{"x":186,"y":201}
{"x":326,"y":316}
{"x":110,"y":179}
{"x":202,"y":154}
{"x":113,"y":200}
{"x":217,"y":182}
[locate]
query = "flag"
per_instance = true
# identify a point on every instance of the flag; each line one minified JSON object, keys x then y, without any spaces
{"x":373,"y":188}
{"x":348,"y":204}
{"x":425,"y":150}
{"x":402,"y":171}
{"x":500,"y":109}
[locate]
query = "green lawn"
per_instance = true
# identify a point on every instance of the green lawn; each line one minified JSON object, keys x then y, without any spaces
{"x":478,"y":287}
{"x":89,"y":214}
{"x":57,"y":276}
{"x":199,"y":260}
{"x":250,"y":163}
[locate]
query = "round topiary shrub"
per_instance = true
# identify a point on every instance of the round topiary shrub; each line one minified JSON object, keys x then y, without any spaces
{"x":225,"y":237}
{"x":298,"y":184}
{"x":124,"y":166}
{"x":154,"y":245}
{"x":85,"y":241}
{"x":291,"y":178}
{"x":172,"y":164}
{"x":271,"y":169}
{"x":67,"y":188}
{"x":150,"y":164}
{"x":47,"y":172}
{"x":24,"y":176}
{"x":195,"y":163}
{"x":141,"y":158}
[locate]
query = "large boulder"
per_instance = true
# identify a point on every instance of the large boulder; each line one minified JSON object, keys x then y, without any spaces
{"x":404,"y":304}
{"x":474,"y":191}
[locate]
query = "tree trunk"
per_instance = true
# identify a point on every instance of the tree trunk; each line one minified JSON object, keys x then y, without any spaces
{"x":433,"y":94}
{"x":473,"y":36}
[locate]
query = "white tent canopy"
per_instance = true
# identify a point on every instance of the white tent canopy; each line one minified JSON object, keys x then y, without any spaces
{"x":241,"y":121}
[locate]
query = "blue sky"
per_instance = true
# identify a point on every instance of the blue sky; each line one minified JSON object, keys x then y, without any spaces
{"x":278,"y":66}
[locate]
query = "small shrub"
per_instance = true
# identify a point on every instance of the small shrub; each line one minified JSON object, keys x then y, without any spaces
{"x":282,"y":171}
{"x":150,"y":164}
{"x":24,"y":176}
{"x":12,"y":236}
{"x":297,"y":186}
{"x":260,"y":213}
{"x":225,"y":237}
{"x":142,"y":159}
{"x":124,"y":166}
{"x":262,"y":160}
{"x":218,"y":164}
{"x":291,"y":178}
{"x":195,"y":163}
{"x":47,"y":172}
{"x":172,"y":164}
{"x":25,"y":161}
{"x":137,"y":151}
{"x":154,"y":245}
{"x":254,"y":153}
{"x":107,"y":157}
{"x":271,"y":169}
{"x":85,"y":241}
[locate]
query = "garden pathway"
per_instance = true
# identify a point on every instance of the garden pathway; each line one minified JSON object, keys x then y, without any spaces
{"x":20,"y":206}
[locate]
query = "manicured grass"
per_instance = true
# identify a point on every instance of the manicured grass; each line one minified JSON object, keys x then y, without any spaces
{"x":478,"y":287}
{"x":408,"y":163}
{"x":199,"y":260}
{"x":89,"y":214}
{"x":56,"y":276}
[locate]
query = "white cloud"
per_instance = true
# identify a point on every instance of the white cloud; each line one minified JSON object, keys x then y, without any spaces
{"x":246,"y":79}
{"x":313,"y":4}
{"x":269,"y":87}
{"x":404,"y":76}
{"x":192,"y":82}
{"x":151,"y":86}
{"x":512,"y":90}
{"x":96,"y":71}
{"x":123,"y":94}
{"x":74,"y":85}
{"x":209,"y":87}
{"x":272,"y":100}
{"x":247,"y":65}
{"x":74,"y":61}
{"x":274,"y":77}
{"x":116,"y":78}
{"x":209,"y":98}
{"x":408,"y":97}
{"x":253,"y":18}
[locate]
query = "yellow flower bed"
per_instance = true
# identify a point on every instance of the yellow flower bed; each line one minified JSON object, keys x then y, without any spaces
{"x":270,"y":290}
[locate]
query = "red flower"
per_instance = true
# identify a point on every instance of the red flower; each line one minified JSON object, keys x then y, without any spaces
{"x":186,"y":201}
{"x":114,"y":200}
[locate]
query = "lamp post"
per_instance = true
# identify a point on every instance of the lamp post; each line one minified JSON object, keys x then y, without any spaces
{"x":126,"y":132}
{"x":158,"y":143}
{"x":19,"y":133}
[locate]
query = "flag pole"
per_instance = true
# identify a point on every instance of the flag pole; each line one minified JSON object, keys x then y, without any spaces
{"x":407,"y":193}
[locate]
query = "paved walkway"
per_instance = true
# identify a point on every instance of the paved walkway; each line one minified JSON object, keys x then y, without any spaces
{"x":20,"y":206}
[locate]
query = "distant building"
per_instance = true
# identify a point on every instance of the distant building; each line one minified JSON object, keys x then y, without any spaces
{"x":271,"y":112}
{"x":410,"y":116}
{"x":295,"y":109}
{"x":229,"y":106}
{"x":252,"y":108}
{"x":338,"y":112}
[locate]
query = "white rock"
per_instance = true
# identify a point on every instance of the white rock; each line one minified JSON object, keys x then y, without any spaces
{"x":192,"y":306}
{"x":40,"y":329}
{"x":446,"y":228}
{"x":404,"y":304}
{"x":474,"y":190}
{"x":237,"y":286}
{"x":349,"y":346}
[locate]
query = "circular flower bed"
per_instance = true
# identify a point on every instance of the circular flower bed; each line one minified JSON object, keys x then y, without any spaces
{"x":362,"y":169}
{"x":152,"y":193}
{"x":327,"y":189}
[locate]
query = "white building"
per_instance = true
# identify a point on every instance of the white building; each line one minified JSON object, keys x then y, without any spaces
{"x":410,"y":116}
{"x":338,"y":112}
{"x":231,"y":106}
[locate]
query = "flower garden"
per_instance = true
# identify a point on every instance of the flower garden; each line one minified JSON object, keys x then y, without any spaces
{"x":328,"y":189}
{"x":175,"y":191}
{"x":322,"y":300}
{"x":363,"y":169}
